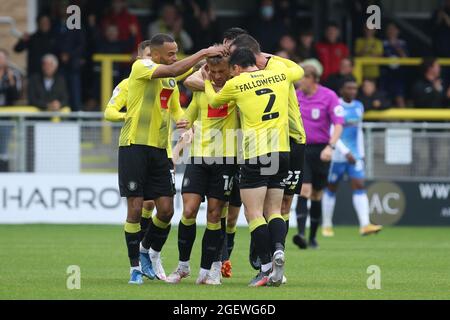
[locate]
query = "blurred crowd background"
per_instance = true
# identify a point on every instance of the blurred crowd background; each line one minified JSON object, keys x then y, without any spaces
{"x":60,"y":70}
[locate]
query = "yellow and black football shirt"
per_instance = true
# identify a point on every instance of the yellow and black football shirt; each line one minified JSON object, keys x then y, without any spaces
{"x":215,"y":131}
{"x":150,"y":104}
{"x":296,"y":128}
{"x":117,"y":102}
{"x":262,"y":99}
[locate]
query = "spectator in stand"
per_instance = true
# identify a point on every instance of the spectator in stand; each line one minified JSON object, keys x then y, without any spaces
{"x":429,"y":91}
{"x":335,"y":80}
{"x":393,"y":81}
{"x":369,"y":46}
{"x":127,"y":24}
{"x":10,"y":87}
{"x":266,"y":27}
{"x":38,"y":44}
{"x":287,"y":11}
{"x":371,"y":97}
{"x":71,"y":46}
{"x":47,"y":91}
{"x":111,"y":44}
{"x":331,"y":51}
{"x":306,"y":48}
{"x":207,"y":30}
{"x":171,"y":22}
{"x":441,"y":30}
{"x":10,"y":81}
{"x":288,"y":48}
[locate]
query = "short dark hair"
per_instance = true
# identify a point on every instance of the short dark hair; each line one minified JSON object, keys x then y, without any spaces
{"x":233,"y":33}
{"x":158,"y":39}
{"x":242,"y":57}
{"x":427,"y":63}
{"x":332,"y":24}
{"x":141,"y":47}
{"x":346,"y":80}
{"x":247,"y":41}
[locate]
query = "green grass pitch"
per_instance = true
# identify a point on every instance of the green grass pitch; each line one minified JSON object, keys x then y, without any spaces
{"x":414,"y":263}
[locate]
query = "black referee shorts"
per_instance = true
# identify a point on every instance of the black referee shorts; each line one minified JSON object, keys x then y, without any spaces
{"x":315,"y":170}
{"x":258,"y":172}
{"x":295,"y":175}
{"x":207,"y":179}
{"x":144,"y":171}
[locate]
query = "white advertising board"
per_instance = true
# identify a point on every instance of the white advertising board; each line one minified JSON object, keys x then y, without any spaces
{"x":74,"y":198}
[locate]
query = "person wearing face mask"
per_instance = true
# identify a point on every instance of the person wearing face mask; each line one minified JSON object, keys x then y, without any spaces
{"x":266,"y":27}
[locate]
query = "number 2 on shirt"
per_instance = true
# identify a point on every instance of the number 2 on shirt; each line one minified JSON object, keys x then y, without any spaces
{"x":267,"y":114}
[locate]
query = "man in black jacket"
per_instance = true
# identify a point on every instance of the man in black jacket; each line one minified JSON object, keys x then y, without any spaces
{"x":38,"y":44}
{"x":429,"y":92}
{"x":48,"y":90}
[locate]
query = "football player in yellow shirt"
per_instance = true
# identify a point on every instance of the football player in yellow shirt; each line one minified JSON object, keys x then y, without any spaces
{"x":115,"y":111}
{"x":209,"y":174}
{"x":144,"y":172}
{"x":297,"y":134}
{"x":230,"y":212}
{"x":262,"y":99}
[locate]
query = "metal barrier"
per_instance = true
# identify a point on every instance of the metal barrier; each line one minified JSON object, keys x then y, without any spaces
{"x":360,"y":62}
{"x":386,"y":147}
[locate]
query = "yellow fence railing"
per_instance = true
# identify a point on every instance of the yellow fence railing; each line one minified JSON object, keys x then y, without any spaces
{"x":360,"y":62}
{"x":106,"y":84}
{"x":107,"y":60}
{"x":400,"y":114}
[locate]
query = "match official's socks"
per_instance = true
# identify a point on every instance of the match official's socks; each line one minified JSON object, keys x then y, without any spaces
{"x":210,"y":244}
{"x":132,"y":239}
{"x":231,"y":232}
{"x":315,"y":215}
{"x":157,"y":234}
{"x":328,"y":203}
{"x":146,"y":218}
{"x":361,"y":204}
{"x":260,"y":236}
{"x":302,"y":214}
{"x":187,"y":230}
{"x":277,"y":229}
{"x":286,"y":219}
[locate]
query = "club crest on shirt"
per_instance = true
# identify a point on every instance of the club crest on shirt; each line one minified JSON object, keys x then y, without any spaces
{"x":172,"y":83}
{"x":132,"y":185}
{"x":315,"y":113}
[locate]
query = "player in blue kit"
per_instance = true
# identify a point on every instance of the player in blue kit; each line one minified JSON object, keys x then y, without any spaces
{"x":348,"y":159}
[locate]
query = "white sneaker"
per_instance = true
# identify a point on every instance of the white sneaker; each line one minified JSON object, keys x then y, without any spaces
{"x":215,"y":274}
{"x":201,"y":279}
{"x":158,"y":268}
{"x":177,"y":275}
{"x":276,"y":276}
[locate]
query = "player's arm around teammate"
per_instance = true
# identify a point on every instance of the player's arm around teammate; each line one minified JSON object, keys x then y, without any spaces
{"x":261,"y":186}
{"x":144,"y":172}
